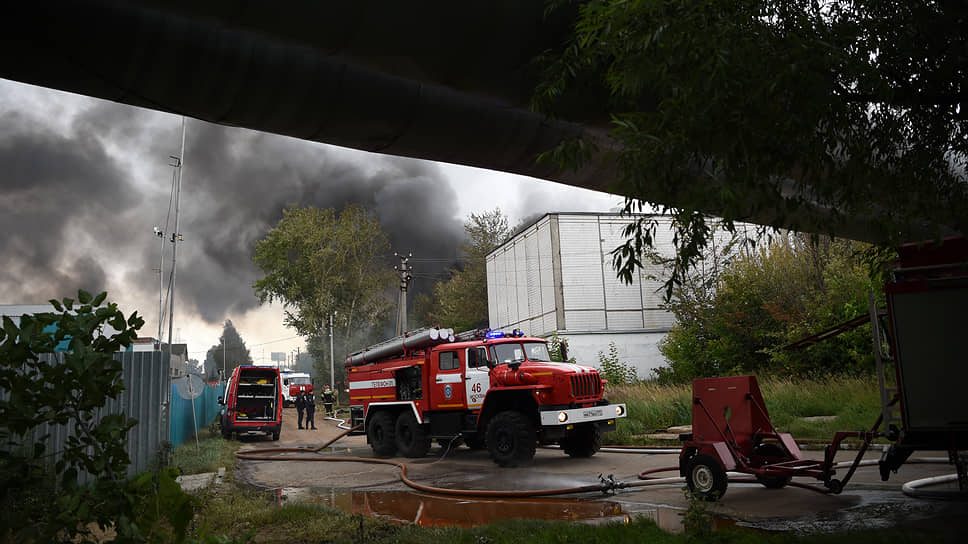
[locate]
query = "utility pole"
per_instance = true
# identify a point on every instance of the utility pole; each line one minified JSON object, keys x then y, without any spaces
{"x":332,"y":354}
{"x":405,"y":278}
{"x":175,"y":235}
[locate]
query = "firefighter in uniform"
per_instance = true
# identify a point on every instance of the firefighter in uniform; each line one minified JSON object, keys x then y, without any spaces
{"x":328,"y":401}
{"x":300,"y":406}
{"x":310,"y":403}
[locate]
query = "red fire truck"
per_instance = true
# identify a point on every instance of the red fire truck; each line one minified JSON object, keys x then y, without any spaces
{"x":488,"y":388}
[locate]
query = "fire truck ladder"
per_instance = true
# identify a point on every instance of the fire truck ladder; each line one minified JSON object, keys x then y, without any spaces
{"x":890,"y":413}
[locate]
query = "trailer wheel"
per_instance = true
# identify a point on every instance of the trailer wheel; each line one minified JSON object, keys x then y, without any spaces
{"x":771,"y":450}
{"x":583,"y":441}
{"x":412,"y":439}
{"x":511,"y":439}
{"x":835,"y":486}
{"x":380,"y":434}
{"x":706,"y":477}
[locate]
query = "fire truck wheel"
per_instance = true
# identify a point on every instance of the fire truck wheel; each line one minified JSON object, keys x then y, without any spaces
{"x":380,"y":434}
{"x":705,"y":477}
{"x":226,"y":434}
{"x":511,"y":439}
{"x":412,"y":439}
{"x":275,"y":435}
{"x":772,"y":450}
{"x":583,"y":441}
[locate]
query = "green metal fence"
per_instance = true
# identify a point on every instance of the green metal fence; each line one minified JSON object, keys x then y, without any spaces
{"x":206,"y":410}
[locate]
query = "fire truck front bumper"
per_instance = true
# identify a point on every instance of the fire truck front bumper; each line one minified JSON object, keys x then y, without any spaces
{"x":603,"y":415}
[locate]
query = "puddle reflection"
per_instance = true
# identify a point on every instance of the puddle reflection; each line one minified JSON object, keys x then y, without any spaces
{"x":406,"y":507}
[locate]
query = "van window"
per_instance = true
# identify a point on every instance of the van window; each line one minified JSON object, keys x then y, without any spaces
{"x":448,"y":360}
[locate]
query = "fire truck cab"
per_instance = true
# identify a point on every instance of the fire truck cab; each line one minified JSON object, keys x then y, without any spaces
{"x":487,"y":388}
{"x":294,"y":383}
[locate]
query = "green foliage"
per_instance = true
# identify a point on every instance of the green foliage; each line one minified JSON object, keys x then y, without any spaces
{"x":318,"y":262}
{"x":613,"y":369}
{"x":790,"y":113}
{"x":555,"y":345}
{"x":41,"y":498}
{"x":460,"y":302}
{"x":697,"y":522}
{"x":738,"y":319}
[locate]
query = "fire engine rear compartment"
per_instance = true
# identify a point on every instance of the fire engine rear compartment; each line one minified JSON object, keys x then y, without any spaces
{"x":256,"y":396}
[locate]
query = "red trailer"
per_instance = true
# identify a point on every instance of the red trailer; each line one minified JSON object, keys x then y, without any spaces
{"x":732,"y":431}
{"x":921,"y":396}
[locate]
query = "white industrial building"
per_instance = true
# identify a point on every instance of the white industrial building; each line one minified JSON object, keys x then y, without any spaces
{"x":556,"y":276}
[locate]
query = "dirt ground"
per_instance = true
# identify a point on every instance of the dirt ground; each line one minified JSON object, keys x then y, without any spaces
{"x":866,"y":502}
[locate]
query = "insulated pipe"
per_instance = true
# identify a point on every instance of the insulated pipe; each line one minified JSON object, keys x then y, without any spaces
{"x":397,"y":346}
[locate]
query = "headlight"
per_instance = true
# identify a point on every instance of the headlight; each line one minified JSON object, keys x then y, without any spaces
{"x":619,"y":411}
{"x":562,"y":417}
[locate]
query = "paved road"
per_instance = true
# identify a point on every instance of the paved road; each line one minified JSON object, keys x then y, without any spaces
{"x":867,"y":502}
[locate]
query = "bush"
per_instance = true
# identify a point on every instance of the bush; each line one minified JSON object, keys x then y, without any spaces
{"x":41,"y":499}
{"x":738,"y":319}
{"x":613,"y":370}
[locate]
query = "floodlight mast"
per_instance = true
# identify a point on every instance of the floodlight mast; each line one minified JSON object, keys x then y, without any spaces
{"x":175,"y":236}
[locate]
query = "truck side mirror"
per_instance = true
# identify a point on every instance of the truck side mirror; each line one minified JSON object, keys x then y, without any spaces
{"x":471,"y":358}
{"x":564,"y":352}
{"x":491,"y":363}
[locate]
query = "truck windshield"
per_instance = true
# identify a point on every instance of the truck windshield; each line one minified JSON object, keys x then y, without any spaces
{"x":509,"y":353}
{"x":299,"y":381}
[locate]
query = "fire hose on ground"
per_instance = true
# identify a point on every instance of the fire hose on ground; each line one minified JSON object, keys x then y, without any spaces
{"x":607,"y":484}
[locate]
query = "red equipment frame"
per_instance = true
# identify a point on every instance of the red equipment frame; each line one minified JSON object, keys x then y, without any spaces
{"x":732,"y":431}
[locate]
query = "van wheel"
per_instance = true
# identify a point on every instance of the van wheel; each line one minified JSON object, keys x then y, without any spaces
{"x":412,"y":439}
{"x":583,"y":441}
{"x":511,"y":439}
{"x":379,"y":432}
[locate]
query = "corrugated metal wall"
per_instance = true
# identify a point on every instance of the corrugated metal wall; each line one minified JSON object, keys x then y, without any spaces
{"x":520,"y":282}
{"x":145,"y":398}
{"x":521,"y":278}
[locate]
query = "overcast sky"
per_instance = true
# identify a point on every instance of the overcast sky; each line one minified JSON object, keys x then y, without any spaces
{"x":84,"y":181}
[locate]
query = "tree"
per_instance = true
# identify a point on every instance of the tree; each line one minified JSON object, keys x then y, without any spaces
{"x":230,"y":352}
{"x":843,"y":116}
{"x":319,"y":263}
{"x":41,"y":497}
{"x":461,"y":301}
{"x":739,"y":318}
